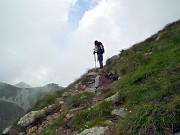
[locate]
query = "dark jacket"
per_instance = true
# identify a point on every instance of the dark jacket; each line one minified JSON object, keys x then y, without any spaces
{"x":99,"y":53}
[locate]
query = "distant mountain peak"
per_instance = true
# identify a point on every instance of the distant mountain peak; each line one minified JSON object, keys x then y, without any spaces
{"x":23,"y":85}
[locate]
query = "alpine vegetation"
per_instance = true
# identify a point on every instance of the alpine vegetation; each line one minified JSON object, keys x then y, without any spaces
{"x":137,"y":92}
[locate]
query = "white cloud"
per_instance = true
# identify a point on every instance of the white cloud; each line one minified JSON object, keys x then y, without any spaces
{"x":120,"y":24}
{"x":38,"y":46}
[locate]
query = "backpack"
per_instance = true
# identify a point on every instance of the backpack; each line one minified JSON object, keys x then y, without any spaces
{"x":101,"y":47}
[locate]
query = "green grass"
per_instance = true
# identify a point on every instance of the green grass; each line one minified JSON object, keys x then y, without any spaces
{"x":50,"y":130}
{"x":150,"y":84}
{"x":83,"y":99}
{"x":92,"y":116}
{"x":47,"y":100}
{"x":149,"y":88}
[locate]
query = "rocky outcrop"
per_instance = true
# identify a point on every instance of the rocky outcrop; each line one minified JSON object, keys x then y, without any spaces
{"x":95,"y":83}
{"x":122,"y":112}
{"x":94,"y":131}
{"x":6,"y":131}
{"x":113,"y":98}
{"x":30,"y":118}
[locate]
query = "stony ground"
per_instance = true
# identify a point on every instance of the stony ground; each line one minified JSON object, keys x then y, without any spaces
{"x":36,"y":121}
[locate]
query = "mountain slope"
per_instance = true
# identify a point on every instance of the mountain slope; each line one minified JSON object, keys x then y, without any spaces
{"x":24,"y":97}
{"x":20,"y":99}
{"x":9,"y":111}
{"x":138,"y":92}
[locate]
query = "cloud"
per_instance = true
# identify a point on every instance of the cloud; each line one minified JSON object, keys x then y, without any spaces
{"x":39,"y":46}
{"x":30,"y":39}
{"x":120,"y":24}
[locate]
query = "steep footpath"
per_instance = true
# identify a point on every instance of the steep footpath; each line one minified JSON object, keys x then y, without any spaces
{"x":138,"y":92}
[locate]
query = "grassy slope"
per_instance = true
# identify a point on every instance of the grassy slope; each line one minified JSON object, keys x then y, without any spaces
{"x":150,"y":83}
{"x":149,"y":87}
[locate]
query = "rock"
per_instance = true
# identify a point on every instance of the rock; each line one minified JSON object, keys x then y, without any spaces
{"x":21,"y":133}
{"x":27,"y":119}
{"x":44,"y":124}
{"x":76,"y":109}
{"x":96,"y":84}
{"x":65,"y":94}
{"x":157,"y":39}
{"x":69,"y":116}
{"x":6,"y":131}
{"x":77,"y":85}
{"x":114,"y":58}
{"x":112,"y":76}
{"x":92,"y":89}
{"x":61,"y":102}
{"x":40,"y":129}
{"x":55,"y":115}
{"x":122,"y":112}
{"x":72,"y":112}
{"x":94,"y":131}
{"x":113,"y":98}
{"x":50,"y":106}
{"x":92,"y":74}
{"x":49,"y":118}
{"x":30,"y":118}
{"x":147,"y":53}
{"x":108,"y":122}
{"x":91,"y":81}
{"x":32,"y":130}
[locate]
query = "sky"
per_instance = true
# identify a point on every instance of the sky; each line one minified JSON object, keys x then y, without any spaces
{"x":51,"y":41}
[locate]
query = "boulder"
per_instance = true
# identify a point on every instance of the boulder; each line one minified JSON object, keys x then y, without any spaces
{"x":96,"y":84}
{"x":122,"y":112}
{"x":6,"y":131}
{"x":113,"y":98}
{"x":92,"y":74}
{"x":92,"y":89}
{"x":30,"y":118}
{"x":94,"y":131}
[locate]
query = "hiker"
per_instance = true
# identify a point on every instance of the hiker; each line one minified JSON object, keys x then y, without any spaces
{"x":99,"y":49}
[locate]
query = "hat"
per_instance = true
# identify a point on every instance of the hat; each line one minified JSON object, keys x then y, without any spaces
{"x":96,"y":42}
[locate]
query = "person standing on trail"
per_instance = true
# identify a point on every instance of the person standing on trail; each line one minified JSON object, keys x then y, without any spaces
{"x":99,"y":49}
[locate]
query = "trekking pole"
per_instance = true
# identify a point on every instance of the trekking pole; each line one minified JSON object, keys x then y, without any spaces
{"x":95,"y":60}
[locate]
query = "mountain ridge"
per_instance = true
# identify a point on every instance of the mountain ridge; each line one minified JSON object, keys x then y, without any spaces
{"x":22,"y":85}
